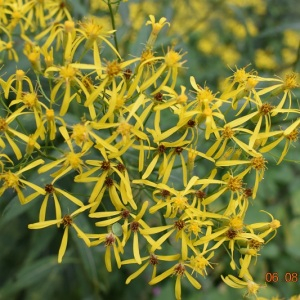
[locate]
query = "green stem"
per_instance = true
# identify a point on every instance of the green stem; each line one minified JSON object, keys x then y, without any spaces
{"x":112,"y":17}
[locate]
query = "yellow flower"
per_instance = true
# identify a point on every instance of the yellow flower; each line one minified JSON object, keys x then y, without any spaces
{"x":31,"y":102}
{"x":136,"y":227}
{"x":8,"y":132}
{"x":68,"y":75}
{"x":176,"y":100}
{"x":20,"y":78}
{"x":199,"y":263}
{"x":58,"y":11}
{"x":236,"y":283}
{"x":257,"y":163}
{"x":94,"y":32}
{"x":156,"y":28}
{"x":56,"y":194}
{"x":50,"y":119}
{"x":13,"y":180}
{"x":246,"y":260}
{"x":233,"y":232}
{"x":179,"y":270}
{"x":111,"y":241}
{"x":229,"y":133}
{"x":67,"y":221}
{"x":265,"y":228}
{"x":71,"y":161}
{"x":153,"y":260}
{"x":108,"y":76}
{"x":290,"y":134}
{"x":18,"y":12}
{"x":9,"y":48}
{"x":284,"y":85}
{"x":104,"y":181}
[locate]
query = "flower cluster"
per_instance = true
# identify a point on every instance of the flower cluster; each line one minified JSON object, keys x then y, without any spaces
{"x":157,"y":164}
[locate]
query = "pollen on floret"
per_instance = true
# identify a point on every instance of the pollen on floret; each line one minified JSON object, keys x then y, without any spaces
{"x":290,"y":81}
{"x":80,"y":133}
{"x":74,"y":160}
{"x":205,"y":94}
{"x":235,"y":184}
{"x":67,"y":220}
{"x":105,"y":165}
{"x":67,"y":72}
{"x":110,"y":239}
{"x":113,"y":68}
{"x":293,"y":136}
{"x":258,"y":163}
{"x":11,"y":180}
{"x":179,"y":224}
{"x":266,"y":108}
{"x":227,"y":132}
{"x":91,"y":29}
{"x":109,"y":182}
{"x":182,"y":98}
{"x":179,"y":269}
{"x":199,"y":263}
{"x":231,"y":233}
{"x":9,"y":46}
{"x":236,"y":223}
{"x":30,"y":99}
{"x":134,"y":226}
{"x":161,"y":149}
{"x":172,"y":58}
{"x":240,"y":75}
{"x":194,"y":227}
{"x":200,"y":194}
{"x":254,"y":244}
{"x":153,"y":259}
{"x":3,"y":124}
{"x":49,"y":188}
{"x":125,"y":213}
{"x":180,"y":202}
{"x":147,"y":55}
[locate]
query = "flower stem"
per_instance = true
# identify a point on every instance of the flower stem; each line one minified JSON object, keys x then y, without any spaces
{"x":113,"y":24}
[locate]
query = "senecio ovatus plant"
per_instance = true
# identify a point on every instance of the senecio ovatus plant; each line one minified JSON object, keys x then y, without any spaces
{"x":167,"y":173}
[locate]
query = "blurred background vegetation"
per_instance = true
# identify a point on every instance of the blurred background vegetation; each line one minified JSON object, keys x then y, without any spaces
{"x":217,"y":35}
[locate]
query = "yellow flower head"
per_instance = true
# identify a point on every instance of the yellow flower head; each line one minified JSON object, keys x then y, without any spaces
{"x":157,"y":26}
{"x":67,"y":73}
{"x":80,"y":133}
{"x":290,"y":81}
{"x":172,"y":59}
{"x":91,"y":28}
{"x":236,"y":223}
{"x":113,"y":68}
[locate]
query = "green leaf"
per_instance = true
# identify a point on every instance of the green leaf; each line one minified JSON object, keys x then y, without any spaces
{"x":13,"y":209}
{"x":29,"y":275}
{"x":295,"y":202}
{"x":293,"y":238}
